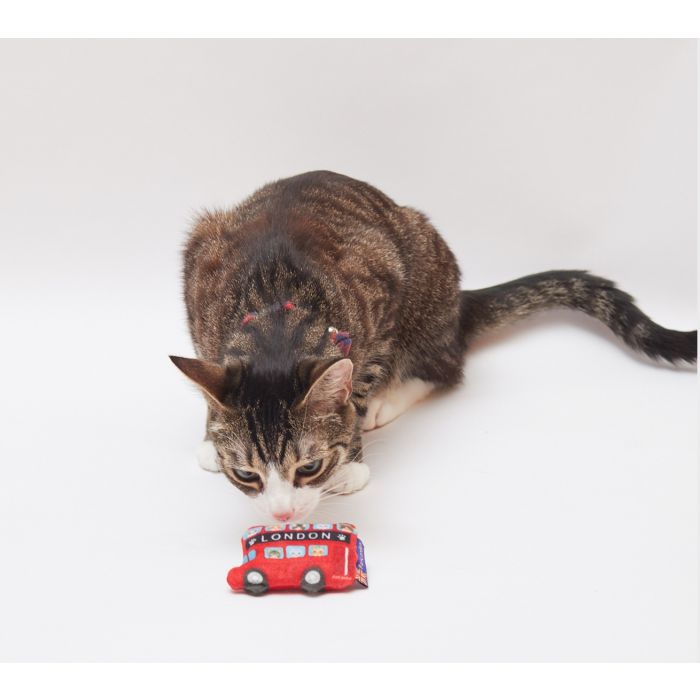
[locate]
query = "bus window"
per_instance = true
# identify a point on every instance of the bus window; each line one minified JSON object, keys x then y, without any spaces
{"x":299,"y":526}
{"x":323,"y":526}
{"x":274,"y":553}
{"x":252,"y":554}
{"x":318,"y":550}
{"x":275,"y":528}
{"x":245,"y":559}
{"x":295,"y":551}
{"x":251,"y":531}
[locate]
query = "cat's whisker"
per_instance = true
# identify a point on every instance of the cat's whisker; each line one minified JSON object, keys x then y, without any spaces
{"x":372,"y":456}
{"x":333,"y":493}
{"x":334,"y":488}
{"x":327,"y":496}
{"x":373,"y":447}
{"x":369,"y":453}
{"x":376,"y":441}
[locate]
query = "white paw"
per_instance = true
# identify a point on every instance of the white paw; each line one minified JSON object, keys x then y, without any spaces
{"x":351,"y":477}
{"x":207,"y":457}
{"x":398,"y":399}
{"x":370,"y":419}
{"x":387,"y":412}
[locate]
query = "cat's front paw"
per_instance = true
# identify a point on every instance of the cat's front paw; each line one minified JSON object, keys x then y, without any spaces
{"x":207,"y":457}
{"x":370,"y":420}
{"x":351,"y":477}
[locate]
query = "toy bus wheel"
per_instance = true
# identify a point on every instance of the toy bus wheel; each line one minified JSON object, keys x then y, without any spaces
{"x":255,"y":582}
{"x":312,"y":581}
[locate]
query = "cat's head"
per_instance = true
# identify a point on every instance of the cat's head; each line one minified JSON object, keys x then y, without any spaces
{"x":280,"y":432}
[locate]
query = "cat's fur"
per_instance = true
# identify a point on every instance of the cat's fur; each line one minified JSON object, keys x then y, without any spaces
{"x":281,"y":394}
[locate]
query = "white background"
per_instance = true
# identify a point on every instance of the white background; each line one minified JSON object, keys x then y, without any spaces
{"x":547,"y":510}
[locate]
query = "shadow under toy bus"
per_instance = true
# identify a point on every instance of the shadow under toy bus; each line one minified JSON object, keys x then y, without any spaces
{"x":309,"y":556}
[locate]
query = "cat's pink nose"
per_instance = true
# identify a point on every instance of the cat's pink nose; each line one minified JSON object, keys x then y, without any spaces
{"x":283,"y":517}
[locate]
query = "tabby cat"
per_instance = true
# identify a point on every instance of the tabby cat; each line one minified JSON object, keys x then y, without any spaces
{"x":320,"y":308}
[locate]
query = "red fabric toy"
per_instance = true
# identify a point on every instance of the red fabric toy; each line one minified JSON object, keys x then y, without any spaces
{"x":307,"y":556}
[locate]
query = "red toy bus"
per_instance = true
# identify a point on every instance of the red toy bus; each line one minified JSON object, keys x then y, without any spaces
{"x":310,"y":556}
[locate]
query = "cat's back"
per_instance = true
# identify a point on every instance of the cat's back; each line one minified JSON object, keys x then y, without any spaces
{"x":321,"y":231}
{"x":320,"y":216}
{"x":320,"y":191}
{"x":319,"y":206}
{"x":297,"y":207}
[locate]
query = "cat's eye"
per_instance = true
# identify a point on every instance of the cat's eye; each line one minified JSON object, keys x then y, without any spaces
{"x":311,"y":468}
{"x":245,"y":475}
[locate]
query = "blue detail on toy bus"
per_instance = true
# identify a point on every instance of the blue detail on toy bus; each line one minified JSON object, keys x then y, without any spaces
{"x":361,"y":566}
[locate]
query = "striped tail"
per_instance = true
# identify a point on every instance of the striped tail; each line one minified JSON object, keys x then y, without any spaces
{"x":486,"y":309}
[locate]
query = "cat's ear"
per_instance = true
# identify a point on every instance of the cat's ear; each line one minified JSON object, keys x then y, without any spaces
{"x":216,"y":381}
{"x":331,"y":386}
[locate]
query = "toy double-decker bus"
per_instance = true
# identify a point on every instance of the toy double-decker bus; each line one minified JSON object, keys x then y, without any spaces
{"x":310,"y":556}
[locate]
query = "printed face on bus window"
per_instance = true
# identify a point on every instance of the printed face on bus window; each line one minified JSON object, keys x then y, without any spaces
{"x":273,"y":553}
{"x":299,"y":526}
{"x":275,"y":528}
{"x":252,"y":531}
{"x":318,"y":550}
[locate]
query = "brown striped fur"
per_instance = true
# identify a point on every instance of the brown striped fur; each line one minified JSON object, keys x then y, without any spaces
{"x":347,"y":256}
